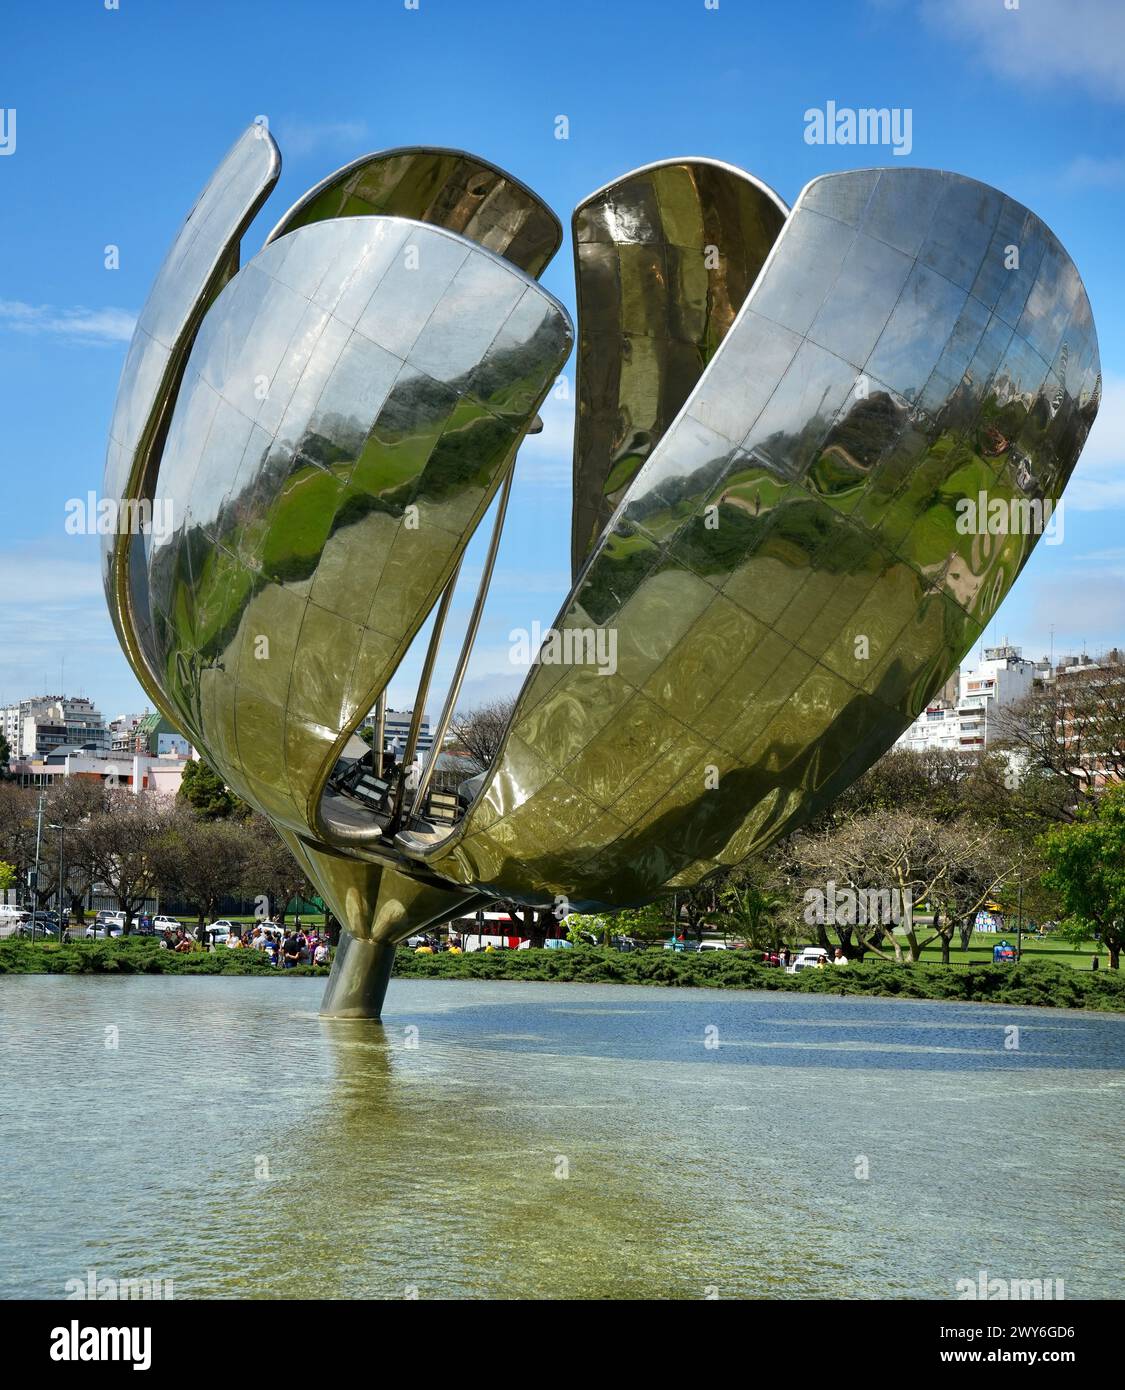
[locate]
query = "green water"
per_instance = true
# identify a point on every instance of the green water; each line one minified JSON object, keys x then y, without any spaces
{"x":551,"y":1141}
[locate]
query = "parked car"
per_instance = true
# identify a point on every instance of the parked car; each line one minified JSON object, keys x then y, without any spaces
{"x":625,"y":943}
{"x":221,"y":931}
{"x":810,"y":956}
{"x":714,"y":946}
{"x":41,"y":924}
{"x":163,"y":924}
{"x":680,"y":943}
{"x":12,"y":912}
{"x":105,"y":924}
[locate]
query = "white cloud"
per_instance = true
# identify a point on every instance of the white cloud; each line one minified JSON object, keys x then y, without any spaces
{"x":1098,"y":482}
{"x":545,"y":458}
{"x":1089,"y":171}
{"x":79,"y":324}
{"x":1077,"y":42}
{"x":55,"y":612}
{"x":296,"y":137}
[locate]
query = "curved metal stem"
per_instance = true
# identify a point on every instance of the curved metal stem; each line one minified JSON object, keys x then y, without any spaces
{"x":380,"y":732}
{"x":423,"y":691}
{"x":467,"y":645}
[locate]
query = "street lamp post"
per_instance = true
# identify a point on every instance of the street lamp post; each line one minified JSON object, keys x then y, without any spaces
{"x":62,"y":854}
{"x":1019,"y":919}
{"x":38,"y":838}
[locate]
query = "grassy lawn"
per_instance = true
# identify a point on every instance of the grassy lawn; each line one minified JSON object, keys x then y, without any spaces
{"x":981,"y":944}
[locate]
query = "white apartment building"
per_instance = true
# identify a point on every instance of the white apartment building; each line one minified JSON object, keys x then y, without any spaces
{"x":1002,"y":678}
{"x":397,"y":726}
{"x":36,"y":725}
{"x":137,"y":772}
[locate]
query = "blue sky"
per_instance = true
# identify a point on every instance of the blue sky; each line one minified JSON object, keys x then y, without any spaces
{"x":122,"y":114}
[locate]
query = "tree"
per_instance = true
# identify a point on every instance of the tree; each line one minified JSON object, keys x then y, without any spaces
{"x":980,"y":862}
{"x":1086,"y":864}
{"x":203,"y":861}
{"x":753,"y":909}
{"x":71,"y":802}
{"x":271,"y":875}
{"x":7,"y":875}
{"x":17,"y":828}
{"x":207,"y":794}
{"x":932,"y":781}
{"x":480,"y":731}
{"x":951,"y":866}
{"x":699,"y":907}
{"x":1072,"y":728}
{"x":5,"y":757}
{"x":127,"y":843}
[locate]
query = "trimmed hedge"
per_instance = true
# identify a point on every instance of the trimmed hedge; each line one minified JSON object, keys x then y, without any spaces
{"x":1044,"y":984}
{"x":134,"y":955}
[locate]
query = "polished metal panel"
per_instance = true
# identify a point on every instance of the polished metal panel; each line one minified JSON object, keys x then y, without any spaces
{"x":202,"y":258}
{"x":352,"y":399}
{"x":329,"y":468}
{"x":449,"y":188}
{"x":785,"y":577}
{"x":664,"y":259}
{"x":771,"y":577}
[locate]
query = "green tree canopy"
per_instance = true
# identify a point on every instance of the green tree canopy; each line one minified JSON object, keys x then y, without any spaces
{"x":208,"y":795}
{"x":1086,"y":865}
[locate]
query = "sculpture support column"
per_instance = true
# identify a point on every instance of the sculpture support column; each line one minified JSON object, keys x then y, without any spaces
{"x":360,"y":974}
{"x":377,"y":907}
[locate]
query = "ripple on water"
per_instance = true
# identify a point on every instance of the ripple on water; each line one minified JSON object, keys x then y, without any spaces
{"x":551,"y":1140}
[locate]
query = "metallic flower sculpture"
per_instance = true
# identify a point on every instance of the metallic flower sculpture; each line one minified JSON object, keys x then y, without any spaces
{"x":781,"y":416}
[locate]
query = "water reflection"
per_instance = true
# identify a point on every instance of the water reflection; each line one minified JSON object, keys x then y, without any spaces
{"x":503,"y":1140}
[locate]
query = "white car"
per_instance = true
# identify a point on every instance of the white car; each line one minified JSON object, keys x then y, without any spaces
{"x":12,"y":919}
{"x":163,"y":924}
{"x":715,"y":946}
{"x":223,"y":932}
{"x":811,"y":956}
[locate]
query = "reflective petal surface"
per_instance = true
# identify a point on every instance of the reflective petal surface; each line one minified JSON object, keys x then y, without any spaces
{"x":784,"y":583}
{"x":783,"y":417}
{"x":664,"y":259}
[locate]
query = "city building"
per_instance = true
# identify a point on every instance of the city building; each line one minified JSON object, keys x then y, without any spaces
{"x":137,"y":772}
{"x":397,"y":726}
{"x":44,"y":722}
{"x":961,"y":723}
{"x":1090,"y":712}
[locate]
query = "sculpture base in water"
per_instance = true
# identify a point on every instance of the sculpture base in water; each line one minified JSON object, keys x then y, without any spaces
{"x":358,"y":983}
{"x":377,"y":907}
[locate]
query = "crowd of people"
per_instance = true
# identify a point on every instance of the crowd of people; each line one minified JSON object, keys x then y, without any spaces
{"x":297,"y":946}
{"x":284,"y":947}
